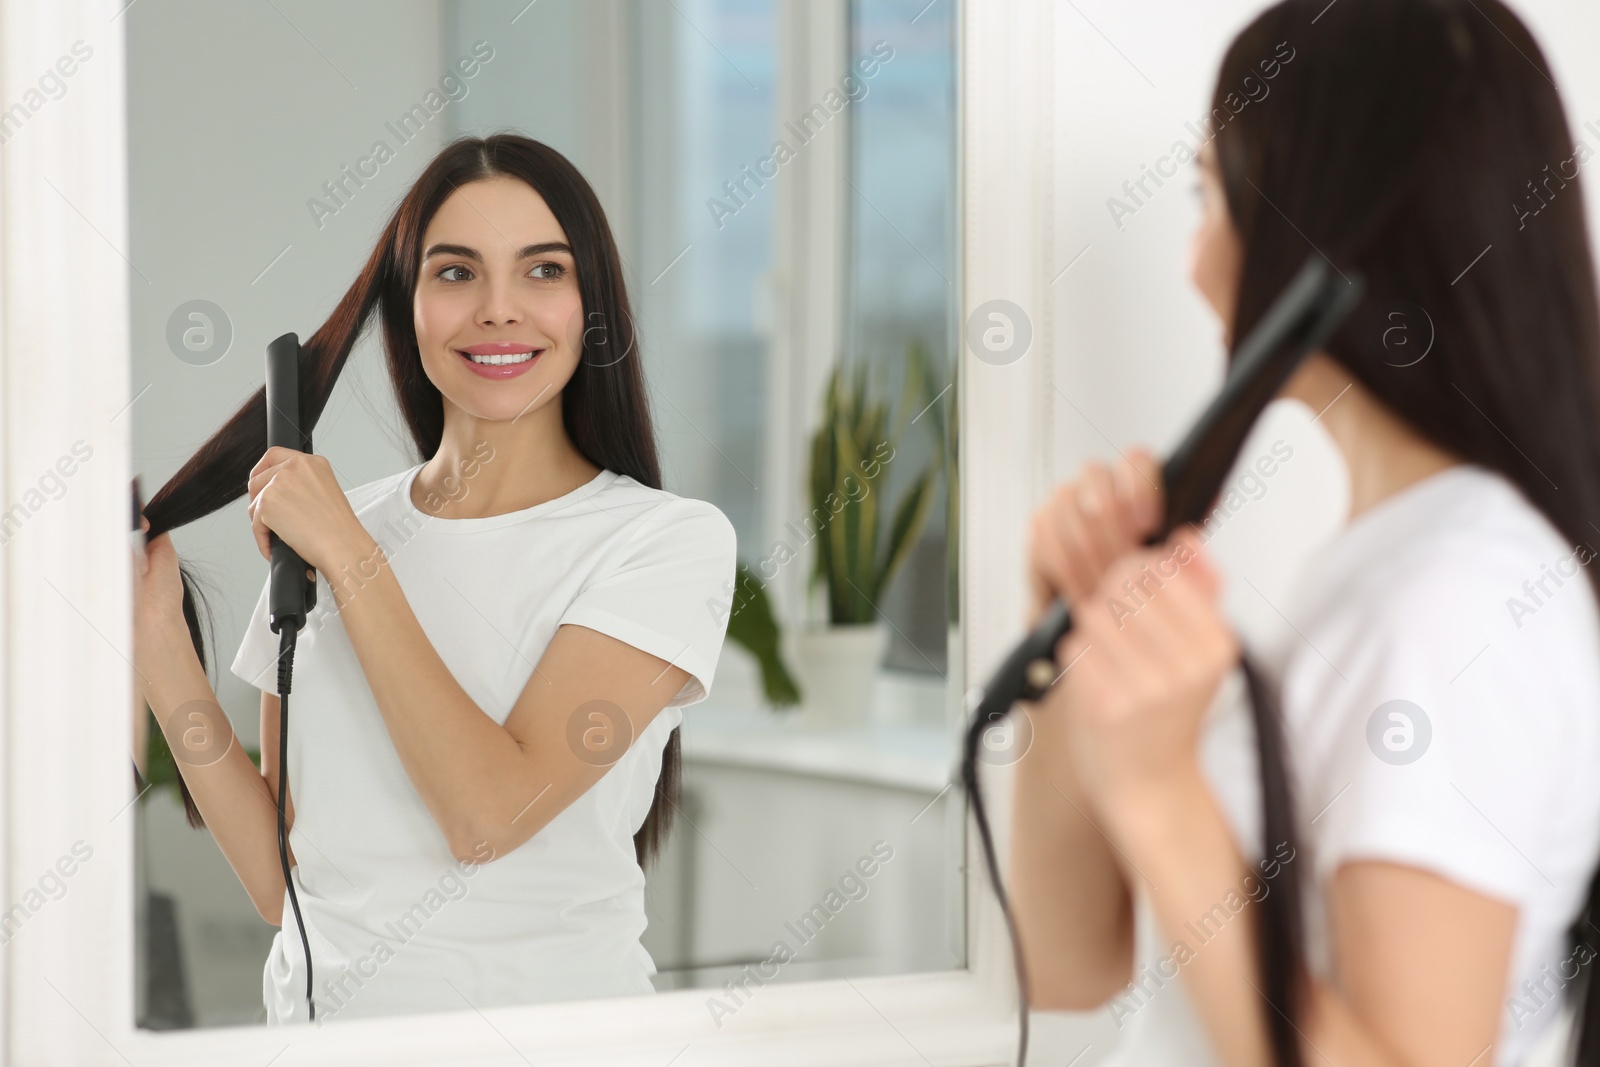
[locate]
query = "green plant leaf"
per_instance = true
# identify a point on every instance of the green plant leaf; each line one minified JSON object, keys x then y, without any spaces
{"x":751,"y":625}
{"x":909,"y":519}
{"x":911,"y":388}
{"x":845,"y":533}
{"x":823,"y":467}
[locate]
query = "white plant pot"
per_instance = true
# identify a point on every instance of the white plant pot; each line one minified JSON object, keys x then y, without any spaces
{"x":838,"y":668}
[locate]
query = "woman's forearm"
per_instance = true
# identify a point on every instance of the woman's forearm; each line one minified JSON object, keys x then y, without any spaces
{"x":1197,"y":880}
{"x":229,"y":790}
{"x":456,"y":756}
{"x":1178,"y":837}
{"x":1070,"y":897}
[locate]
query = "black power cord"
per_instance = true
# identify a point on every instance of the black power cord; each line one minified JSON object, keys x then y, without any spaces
{"x":292,"y":589}
{"x":990,"y":713}
{"x":286,"y":643}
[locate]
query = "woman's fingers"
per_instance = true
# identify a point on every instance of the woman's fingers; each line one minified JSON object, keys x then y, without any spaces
{"x":1139,"y":490}
{"x":1068,"y":530}
{"x":1047,"y":566}
{"x":258,"y":529}
{"x":1089,"y":523}
{"x":158,"y":588}
{"x":1101,"y":520}
{"x":268,"y":465}
{"x":1210,"y":578}
{"x":1176,"y":627}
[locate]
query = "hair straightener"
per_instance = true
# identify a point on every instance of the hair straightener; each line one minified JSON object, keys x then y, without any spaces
{"x":293,"y":593}
{"x":1304,"y":316}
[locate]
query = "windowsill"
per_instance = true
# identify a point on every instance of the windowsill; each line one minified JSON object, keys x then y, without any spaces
{"x":904,"y":744}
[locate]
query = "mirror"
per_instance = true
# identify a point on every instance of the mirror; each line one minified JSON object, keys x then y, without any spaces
{"x":779,"y":179}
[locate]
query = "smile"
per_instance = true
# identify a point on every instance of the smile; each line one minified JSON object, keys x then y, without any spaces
{"x":499,"y":361}
{"x":500,"y":365}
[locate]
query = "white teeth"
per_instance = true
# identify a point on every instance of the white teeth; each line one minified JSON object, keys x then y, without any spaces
{"x":495,"y":361}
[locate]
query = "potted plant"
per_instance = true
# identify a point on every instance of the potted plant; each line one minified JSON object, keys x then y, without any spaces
{"x":861,"y":540}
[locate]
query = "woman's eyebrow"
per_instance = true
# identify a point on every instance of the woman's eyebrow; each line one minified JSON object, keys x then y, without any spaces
{"x":472,"y":253}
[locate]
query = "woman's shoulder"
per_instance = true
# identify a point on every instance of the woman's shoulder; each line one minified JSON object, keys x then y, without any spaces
{"x":632,"y":524}
{"x":1444,"y":698}
{"x":1462,"y":660}
{"x":1490,"y":551}
{"x":663,"y":509}
{"x":1464,"y":578}
{"x":1464,"y":546}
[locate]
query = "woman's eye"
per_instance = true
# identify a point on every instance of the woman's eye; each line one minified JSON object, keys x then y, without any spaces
{"x":543,"y":271}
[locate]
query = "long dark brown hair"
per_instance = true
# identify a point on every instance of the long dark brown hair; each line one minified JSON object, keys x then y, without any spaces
{"x":1423,"y":144}
{"x":603,"y":405}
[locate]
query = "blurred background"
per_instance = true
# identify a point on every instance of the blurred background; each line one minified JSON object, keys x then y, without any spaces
{"x":755,"y":272}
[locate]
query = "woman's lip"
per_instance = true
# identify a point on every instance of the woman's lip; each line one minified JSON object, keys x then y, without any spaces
{"x":500,"y":348}
{"x":502,"y":371}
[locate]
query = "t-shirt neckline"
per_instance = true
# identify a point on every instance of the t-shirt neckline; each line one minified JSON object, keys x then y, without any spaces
{"x":489,"y":522}
{"x":1343,"y":558}
{"x":1377,"y":515}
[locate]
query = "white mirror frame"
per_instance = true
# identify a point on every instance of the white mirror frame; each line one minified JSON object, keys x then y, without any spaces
{"x":67,"y":980}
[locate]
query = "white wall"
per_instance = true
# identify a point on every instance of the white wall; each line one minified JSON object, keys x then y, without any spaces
{"x":1137,"y":353}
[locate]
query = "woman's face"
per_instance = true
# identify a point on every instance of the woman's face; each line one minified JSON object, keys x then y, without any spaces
{"x":1214,"y":253}
{"x":497,"y":278}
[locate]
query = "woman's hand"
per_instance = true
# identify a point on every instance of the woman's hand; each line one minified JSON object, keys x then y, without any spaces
{"x":157,"y":603}
{"x":1146,"y":655}
{"x":295,"y":495}
{"x":1087,"y":524}
{"x":157,"y":589}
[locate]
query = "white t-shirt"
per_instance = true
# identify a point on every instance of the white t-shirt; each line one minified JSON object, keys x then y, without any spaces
{"x":394,"y":920}
{"x":1492,"y":784}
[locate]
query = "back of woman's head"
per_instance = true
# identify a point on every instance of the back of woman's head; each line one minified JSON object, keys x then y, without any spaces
{"x":604,"y":405}
{"x":1421,"y":143}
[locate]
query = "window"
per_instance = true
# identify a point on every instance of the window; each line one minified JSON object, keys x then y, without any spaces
{"x":902,"y":278}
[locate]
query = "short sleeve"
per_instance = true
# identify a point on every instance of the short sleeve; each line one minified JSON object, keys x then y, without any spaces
{"x":1449,"y":738}
{"x":665,"y":590}
{"x":256,"y":661}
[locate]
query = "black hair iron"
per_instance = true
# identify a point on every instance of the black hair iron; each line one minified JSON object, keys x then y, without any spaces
{"x":1303,"y":317}
{"x":292,"y":595}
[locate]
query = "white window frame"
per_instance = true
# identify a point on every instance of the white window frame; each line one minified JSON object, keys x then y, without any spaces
{"x":67,"y":976}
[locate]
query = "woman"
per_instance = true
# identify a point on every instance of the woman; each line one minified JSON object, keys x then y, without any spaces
{"x":1398,"y":867}
{"x":483,"y":747}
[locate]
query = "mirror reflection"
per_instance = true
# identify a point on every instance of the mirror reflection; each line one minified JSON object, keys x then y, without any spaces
{"x":627,"y":524}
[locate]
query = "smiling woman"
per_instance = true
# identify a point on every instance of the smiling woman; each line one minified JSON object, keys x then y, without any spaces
{"x":499,"y":694}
